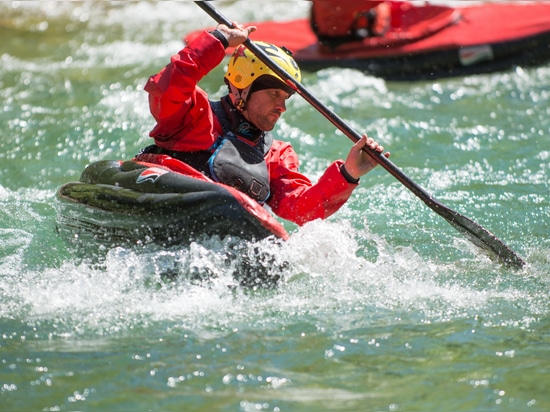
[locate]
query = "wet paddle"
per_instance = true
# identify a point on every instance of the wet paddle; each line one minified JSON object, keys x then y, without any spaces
{"x":478,"y":235}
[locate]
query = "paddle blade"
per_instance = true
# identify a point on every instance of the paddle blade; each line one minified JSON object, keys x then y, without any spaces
{"x":480,"y":236}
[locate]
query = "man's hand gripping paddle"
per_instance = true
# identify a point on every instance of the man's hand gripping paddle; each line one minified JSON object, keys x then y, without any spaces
{"x":481,"y":237}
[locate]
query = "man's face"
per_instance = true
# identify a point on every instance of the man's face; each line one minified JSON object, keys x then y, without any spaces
{"x":264,"y":108}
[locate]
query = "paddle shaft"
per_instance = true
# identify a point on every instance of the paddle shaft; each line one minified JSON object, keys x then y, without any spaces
{"x":480,"y":236}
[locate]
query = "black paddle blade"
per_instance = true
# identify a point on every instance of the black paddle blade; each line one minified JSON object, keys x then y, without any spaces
{"x":480,"y":236}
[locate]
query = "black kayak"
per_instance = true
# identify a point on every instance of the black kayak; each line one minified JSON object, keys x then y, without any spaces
{"x":136,"y":202}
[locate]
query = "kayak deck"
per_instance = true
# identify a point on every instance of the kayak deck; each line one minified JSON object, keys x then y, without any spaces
{"x":128,"y":202}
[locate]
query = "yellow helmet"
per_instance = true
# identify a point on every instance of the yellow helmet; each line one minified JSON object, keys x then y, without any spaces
{"x":245,"y":68}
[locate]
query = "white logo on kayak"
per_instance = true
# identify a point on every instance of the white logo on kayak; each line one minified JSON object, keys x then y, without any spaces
{"x":475,"y":54}
{"x":150,"y":175}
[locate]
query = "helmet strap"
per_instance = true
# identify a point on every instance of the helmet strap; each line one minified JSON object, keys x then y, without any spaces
{"x":239,"y":96}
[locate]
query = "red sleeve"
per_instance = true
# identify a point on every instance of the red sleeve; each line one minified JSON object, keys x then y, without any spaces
{"x":294,"y":197}
{"x":178,"y":104}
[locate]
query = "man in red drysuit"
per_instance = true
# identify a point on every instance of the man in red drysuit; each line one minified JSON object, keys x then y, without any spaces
{"x":235,"y":131}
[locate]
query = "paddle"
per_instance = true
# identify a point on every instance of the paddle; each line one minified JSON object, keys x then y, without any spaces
{"x":481,"y":237}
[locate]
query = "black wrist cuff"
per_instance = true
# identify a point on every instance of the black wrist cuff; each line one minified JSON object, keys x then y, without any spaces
{"x":218,"y":35}
{"x":347,"y":176}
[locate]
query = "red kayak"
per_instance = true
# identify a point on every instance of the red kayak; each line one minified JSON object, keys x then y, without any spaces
{"x":402,"y":41}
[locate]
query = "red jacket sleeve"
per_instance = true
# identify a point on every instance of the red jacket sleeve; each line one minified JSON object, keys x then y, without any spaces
{"x":178,"y":105}
{"x":294,"y":197}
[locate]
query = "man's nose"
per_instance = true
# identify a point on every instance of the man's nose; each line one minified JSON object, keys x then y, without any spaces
{"x":281,"y":105}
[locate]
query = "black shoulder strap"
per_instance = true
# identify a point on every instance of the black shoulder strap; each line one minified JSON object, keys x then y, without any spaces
{"x":268,"y":141}
{"x":218,"y":110}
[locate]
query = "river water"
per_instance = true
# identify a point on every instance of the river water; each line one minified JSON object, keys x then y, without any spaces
{"x":383,"y":307}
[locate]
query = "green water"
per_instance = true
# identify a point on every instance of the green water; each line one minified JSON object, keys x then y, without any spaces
{"x":384,"y":306}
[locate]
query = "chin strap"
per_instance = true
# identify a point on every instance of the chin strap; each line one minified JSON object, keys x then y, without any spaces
{"x":239,"y":96}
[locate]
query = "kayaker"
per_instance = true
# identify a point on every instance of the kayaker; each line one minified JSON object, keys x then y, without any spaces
{"x":230,"y":141}
{"x":336,"y":22}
